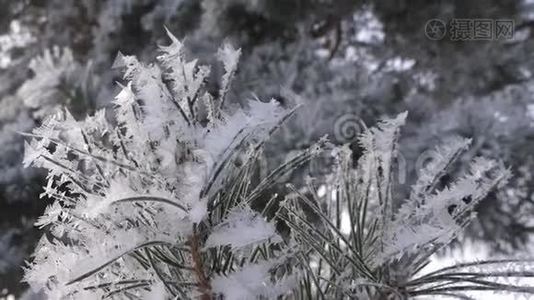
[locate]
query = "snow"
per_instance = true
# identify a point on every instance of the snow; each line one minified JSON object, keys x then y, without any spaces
{"x":199,"y":211}
{"x":243,"y":227}
{"x":251,"y":282}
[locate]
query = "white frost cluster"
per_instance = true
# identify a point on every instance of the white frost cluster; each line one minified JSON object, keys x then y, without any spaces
{"x":133,"y":195}
{"x":368,"y":243}
{"x":55,"y":73}
{"x":250,"y":282}
{"x":242,"y":227}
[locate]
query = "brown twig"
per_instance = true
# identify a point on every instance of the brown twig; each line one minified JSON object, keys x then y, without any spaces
{"x":203,"y":282}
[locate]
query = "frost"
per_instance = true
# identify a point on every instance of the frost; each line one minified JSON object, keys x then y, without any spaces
{"x":51,"y":215}
{"x":442,"y":158}
{"x":438,"y":219}
{"x":251,"y":282}
{"x":361,"y":228}
{"x":258,"y":119}
{"x":135,"y":196}
{"x":50,"y":70}
{"x":243,"y":227}
{"x":199,"y":211}
{"x":229,"y":57}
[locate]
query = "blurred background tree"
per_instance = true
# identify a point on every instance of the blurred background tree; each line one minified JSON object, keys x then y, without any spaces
{"x":339,"y":58}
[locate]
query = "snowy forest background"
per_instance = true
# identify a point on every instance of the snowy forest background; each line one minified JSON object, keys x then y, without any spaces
{"x":333,"y":67}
